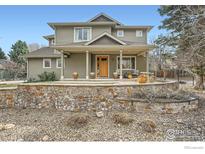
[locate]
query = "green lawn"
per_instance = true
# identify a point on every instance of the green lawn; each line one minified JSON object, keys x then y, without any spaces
{"x":7,"y":85}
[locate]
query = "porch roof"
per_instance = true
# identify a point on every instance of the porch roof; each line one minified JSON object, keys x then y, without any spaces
{"x":44,"y":52}
{"x":111,"y":49}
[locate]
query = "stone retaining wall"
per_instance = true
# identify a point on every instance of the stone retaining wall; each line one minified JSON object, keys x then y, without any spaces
{"x":7,"y":97}
{"x":80,"y":97}
{"x":165,"y":108}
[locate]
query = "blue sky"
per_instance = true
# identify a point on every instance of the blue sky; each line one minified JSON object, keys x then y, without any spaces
{"x":29,"y":23}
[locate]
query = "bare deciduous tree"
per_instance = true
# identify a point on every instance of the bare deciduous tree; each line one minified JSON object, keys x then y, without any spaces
{"x":186,"y":26}
{"x":33,"y":47}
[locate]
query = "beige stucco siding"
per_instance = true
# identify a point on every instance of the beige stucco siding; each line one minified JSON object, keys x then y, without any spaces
{"x":35,"y":67}
{"x":141,"y":63}
{"x":130,"y":35}
{"x":76,"y":63}
{"x":96,"y":31}
{"x":65,"y":34}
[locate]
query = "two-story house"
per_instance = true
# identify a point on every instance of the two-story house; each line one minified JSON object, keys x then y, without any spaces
{"x":101,"y":45}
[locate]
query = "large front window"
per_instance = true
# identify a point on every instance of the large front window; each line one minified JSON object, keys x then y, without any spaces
{"x":128,"y":62}
{"x":82,"y":34}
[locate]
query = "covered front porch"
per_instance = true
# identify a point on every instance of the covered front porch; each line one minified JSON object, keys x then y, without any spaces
{"x":102,"y":60}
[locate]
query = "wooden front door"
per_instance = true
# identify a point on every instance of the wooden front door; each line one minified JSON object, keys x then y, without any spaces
{"x":102,"y":66}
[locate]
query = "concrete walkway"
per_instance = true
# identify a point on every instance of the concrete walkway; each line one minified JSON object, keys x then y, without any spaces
{"x":12,"y":82}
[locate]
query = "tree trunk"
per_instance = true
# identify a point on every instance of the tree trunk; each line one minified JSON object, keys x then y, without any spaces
{"x":199,"y":82}
{"x":165,"y":74}
{"x":178,"y":75}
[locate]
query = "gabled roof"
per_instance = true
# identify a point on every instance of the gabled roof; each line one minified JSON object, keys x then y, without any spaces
{"x":109,"y":36}
{"x":106,"y":17}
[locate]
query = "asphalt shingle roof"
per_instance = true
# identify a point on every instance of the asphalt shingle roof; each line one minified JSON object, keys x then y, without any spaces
{"x":44,"y":52}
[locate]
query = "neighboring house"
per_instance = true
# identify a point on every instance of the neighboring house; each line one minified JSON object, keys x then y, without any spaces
{"x":101,"y":45}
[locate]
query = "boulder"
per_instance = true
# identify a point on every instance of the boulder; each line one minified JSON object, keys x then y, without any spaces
{"x":99,"y":114}
{"x":6,"y":126}
{"x":2,"y":127}
{"x":9,"y":126}
{"x":20,"y":140}
{"x":179,"y":121}
{"x":46,"y":138}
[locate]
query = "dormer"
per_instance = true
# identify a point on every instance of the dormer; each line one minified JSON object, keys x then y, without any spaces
{"x":50,"y":38}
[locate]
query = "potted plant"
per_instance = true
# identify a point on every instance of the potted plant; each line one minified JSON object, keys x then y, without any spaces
{"x":75,"y":75}
{"x":142,"y":78}
{"x":151,"y":77}
{"x":129,"y":75}
{"x":92,"y":75}
{"x":115,"y":75}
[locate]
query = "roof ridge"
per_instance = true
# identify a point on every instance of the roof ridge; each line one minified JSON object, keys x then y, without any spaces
{"x":105,"y":15}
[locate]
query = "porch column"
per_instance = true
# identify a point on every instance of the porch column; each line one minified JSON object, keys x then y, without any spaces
{"x":62,"y":65}
{"x":147,"y":56}
{"x":120,"y":64}
{"x":87,"y":65}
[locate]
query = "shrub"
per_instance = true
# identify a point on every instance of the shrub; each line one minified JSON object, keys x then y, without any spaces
{"x":122,"y":118}
{"x":148,"y":126}
{"x":32,"y":80}
{"x":47,"y":76}
{"x":78,"y":120}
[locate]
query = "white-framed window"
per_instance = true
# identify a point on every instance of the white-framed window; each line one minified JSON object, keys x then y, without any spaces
{"x":120,"y":33}
{"x":128,"y":62}
{"x":58,"y":63}
{"x":82,"y":34}
{"x":46,"y":63}
{"x":139,"y":33}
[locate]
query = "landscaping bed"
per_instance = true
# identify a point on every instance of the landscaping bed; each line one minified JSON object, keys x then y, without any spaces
{"x":53,"y":125}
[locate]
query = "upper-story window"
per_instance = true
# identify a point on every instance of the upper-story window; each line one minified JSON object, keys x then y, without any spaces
{"x":82,"y":34}
{"x":139,"y":33}
{"x":120,"y":33}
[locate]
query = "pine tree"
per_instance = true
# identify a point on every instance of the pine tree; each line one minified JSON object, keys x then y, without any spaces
{"x":18,"y":50}
{"x":2,"y":54}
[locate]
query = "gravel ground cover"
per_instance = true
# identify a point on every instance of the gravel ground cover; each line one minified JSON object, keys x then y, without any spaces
{"x":52,"y":125}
